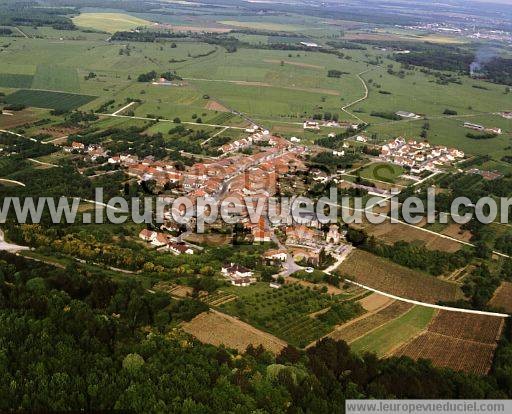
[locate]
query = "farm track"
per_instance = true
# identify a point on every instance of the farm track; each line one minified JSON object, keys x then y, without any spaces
{"x":366,"y":93}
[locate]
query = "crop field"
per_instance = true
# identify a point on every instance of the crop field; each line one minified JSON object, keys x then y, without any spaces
{"x":11,"y":80}
{"x":389,"y":277}
{"x":284,"y":312}
{"x":56,"y":78}
{"x":391,"y":233}
{"x":218,"y":329}
{"x":109,"y":22}
{"x":219,"y":298}
{"x":450,"y":352}
{"x":388,"y":337}
{"x":502,"y":298}
{"x":461,"y":342}
{"x":466,"y":326}
{"x":48,"y":99}
{"x":364,"y":325}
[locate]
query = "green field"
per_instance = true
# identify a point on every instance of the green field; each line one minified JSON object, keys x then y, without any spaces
{"x":396,"y":332}
{"x":56,"y":78}
{"x":11,"y":80}
{"x":48,"y":99}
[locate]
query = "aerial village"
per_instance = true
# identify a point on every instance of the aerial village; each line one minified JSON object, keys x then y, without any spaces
{"x":233,"y":174}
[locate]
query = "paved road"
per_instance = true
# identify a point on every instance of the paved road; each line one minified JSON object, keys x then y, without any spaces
{"x":429,"y":305}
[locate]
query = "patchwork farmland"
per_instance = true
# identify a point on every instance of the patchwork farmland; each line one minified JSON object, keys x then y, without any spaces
{"x":289,"y":313}
{"x":462,"y":342}
{"x":360,"y":327}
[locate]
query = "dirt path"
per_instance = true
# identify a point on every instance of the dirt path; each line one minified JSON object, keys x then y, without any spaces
{"x":366,"y":93}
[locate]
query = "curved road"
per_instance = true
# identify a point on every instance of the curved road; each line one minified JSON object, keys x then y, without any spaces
{"x":427,"y":305}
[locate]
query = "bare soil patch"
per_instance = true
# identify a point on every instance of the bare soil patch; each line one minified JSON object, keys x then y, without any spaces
{"x":17,"y":118}
{"x":374,"y":302}
{"x":216,"y":106}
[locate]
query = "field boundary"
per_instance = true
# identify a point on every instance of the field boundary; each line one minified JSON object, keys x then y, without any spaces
{"x":429,"y":305}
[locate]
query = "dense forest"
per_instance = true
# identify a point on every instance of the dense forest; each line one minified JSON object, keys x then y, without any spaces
{"x":71,"y":339}
{"x":14,"y":13}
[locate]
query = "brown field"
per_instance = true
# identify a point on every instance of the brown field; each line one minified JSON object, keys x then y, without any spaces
{"x":454,"y":230}
{"x":361,"y":326}
{"x":58,"y":132}
{"x":502,"y":298}
{"x":208,"y":239}
{"x":449,"y":352}
{"x":389,"y":277}
{"x":216,"y":106}
{"x":391,"y":233}
{"x":481,"y":328}
{"x":375,"y":302}
{"x":463,"y":342}
{"x":18,"y":118}
{"x":219,"y":329}
{"x":178,"y":291}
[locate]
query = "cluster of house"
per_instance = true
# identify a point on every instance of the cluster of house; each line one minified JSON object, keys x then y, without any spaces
{"x":506,"y":115}
{"x":481,"y":128}
{"x":93,"y":151}
{"x":244,"y":143}
{"x":486,"y":175}
{"x":418,"y":156}
{"x":165,"y":242}
{"x":315,"y":125}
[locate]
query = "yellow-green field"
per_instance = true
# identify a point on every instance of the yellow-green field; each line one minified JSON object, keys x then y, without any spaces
{"x":109,"y":22}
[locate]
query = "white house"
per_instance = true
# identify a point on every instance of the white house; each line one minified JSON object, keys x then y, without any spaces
{"x":276,"y":255}
{"x":179,"y":248}
{"x":235,"y":271}
{"x":311,"y":125}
